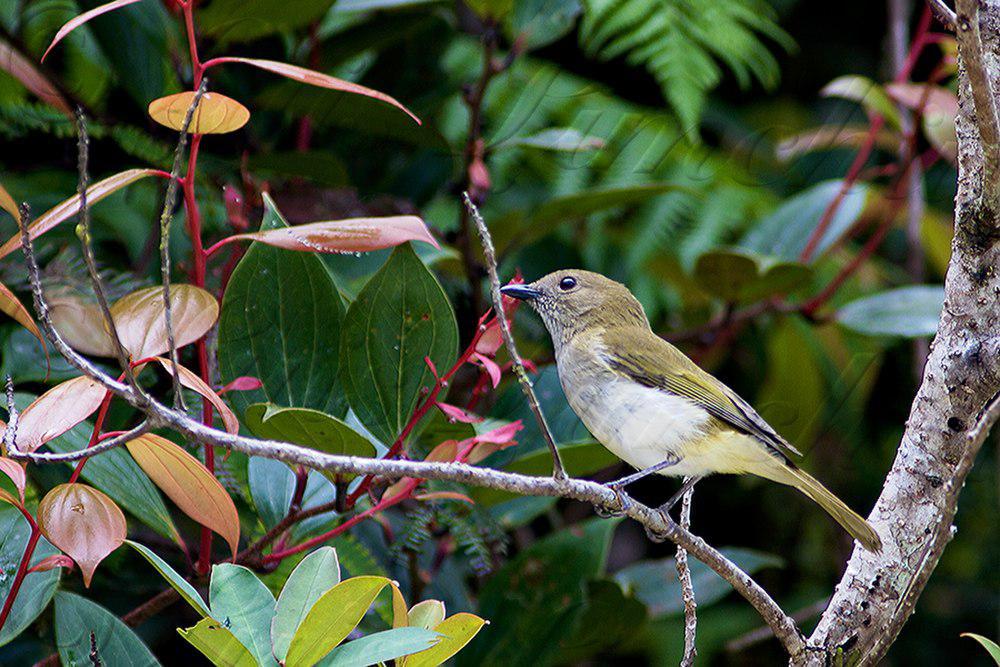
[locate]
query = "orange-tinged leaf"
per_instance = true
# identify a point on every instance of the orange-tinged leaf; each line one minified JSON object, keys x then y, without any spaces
{"x":142,"y":324}
{"x":82,"y":522}
{"x":71,"y":206}
{"x":78,"y":320}
{"x":191,"y":380}
{"x":314,"y":78}
{"x":8,"y":204}
{"x":24,"y":70}
{"x":15,"y":471}
{"x":216,"y":113}
{"x":10,"y":305}
{"x":458,"y":630}
{"x":7,"y":497}
{"x":400,"y":616}
{"x":189,"y":484}
{"x":78,"y":21}
{"x":52,"y":562}
{"x":57,"y":411}
{"x":350,"y":235}
{"x":445,"y":495}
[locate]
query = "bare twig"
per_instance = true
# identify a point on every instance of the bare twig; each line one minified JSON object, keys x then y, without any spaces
{"x":970,"y":49}
{"x":522,"y":375}
{"x":764,"y":632}
{"x":943,"y":13}
{"x":83,"y":233}
{"x":10,"y":434}
{"x":166,"y":217}
{"x":76,"y":455}
{"x":687,"y":588}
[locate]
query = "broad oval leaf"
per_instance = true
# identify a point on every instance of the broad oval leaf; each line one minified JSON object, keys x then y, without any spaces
{"x":380,"y":647}
{"x":426,"y":614}
{"x":83,"y":522}
{"x":910,"y":312}
{"x":319,"y":79}
{"x":80,"y":323}
{"x":216,"y":113}
{"x":176,"y":581}
{"x":400,"y":317}
{"x":281,"y":322}
{"x":56,"y":411}
{"x":142,"y":323}
{"x":315,"y":575}
{"x":218,"y":644}
{"x":78,"y":21}
{"x":456,"y":631}
{"x":192,"y":381}
{"x":188,"y":483}
{"x":331,"y":619}
{"x":36,"y":590}
{"x":77,"y":618}
{"x":71,"y":206}
{"x":241,"y":602}
{"x":736,"y":275}
{"x":12,"y":306}
{"x":309,"y":428}
{"x":344,"y":236}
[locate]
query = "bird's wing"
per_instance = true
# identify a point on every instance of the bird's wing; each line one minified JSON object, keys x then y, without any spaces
{"x":658,"y":364}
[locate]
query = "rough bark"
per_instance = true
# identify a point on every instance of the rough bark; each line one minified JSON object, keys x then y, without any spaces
{"x":954,"y":407}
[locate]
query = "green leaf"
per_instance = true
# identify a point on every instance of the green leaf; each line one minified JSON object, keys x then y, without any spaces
{"x":318,"y":166}
{"x":238,"y":21}
{"x":401,"y":317}
{"x":315,"y":575}
{"x":786,"y":231}
{"x":179,"y":583}
{"x":736,"y":275}
{"x":380,"y":647}
{"x":793,"y":396}
{"x":541,"y":22}
{"x":332,"y":618}
{"x":458,"y":631}
{"x":991,"y":646}
{"x":118,"y":475}
{"x":547,"y":575}
{"x":244,"y":605}
{"x":563,"y":139}
{"x":218,"y":644}
{"x":23,"y":359}
{"x":281,"y":322}
{"x":612,"y":619}
{"x":272,"y":485}
{"x":37,"y":588}
{"x":309,"y":428}
{"x":865,"y":92}
{"x":909,"y":312}
{"x":117,"y":644}
{"x":654,"y":582}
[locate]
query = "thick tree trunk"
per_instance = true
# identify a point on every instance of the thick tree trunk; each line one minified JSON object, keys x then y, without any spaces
{"x":951,"y":414}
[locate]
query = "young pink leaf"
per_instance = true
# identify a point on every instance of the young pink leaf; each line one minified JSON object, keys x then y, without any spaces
{"x":25,"y":71}
{"x":491,"y":340}
{"x":57,"y":411}
{"x":242,"y":383}
{"x":314,"y":78}
{"x":501,"y":435}
{"x":491,"y":367}
{"x":52,"y":562}
{"x":142,"y":324}
{"x":457,"y":414}
{"x":189,"y":484}
{"x":351,"y":235}
{"x":15,"y":471}
{"x":83,"y":522}
{"x":71,"y":206}
{"x":78,"y":21}
{"x":191,"y":380}
{"x":9,"y":304}
{"x":445,"y":495}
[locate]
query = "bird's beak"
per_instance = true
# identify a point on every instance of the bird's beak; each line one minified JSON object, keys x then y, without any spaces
{"x":522,"y":292}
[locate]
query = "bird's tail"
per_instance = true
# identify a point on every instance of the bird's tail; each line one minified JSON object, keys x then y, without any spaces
{"x":859,"y":529}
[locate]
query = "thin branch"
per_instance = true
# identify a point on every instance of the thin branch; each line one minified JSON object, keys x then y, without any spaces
{"x":166,"y":217}
{"x":943,"y":13}
{"x":86,"y":242}
{"x":76,"y":455}
{"x":558,"y":471}
{"x":764,"y":632}
{"x":970,"y":48}
{"x":10,"y":435}
{"x":687,"y":588}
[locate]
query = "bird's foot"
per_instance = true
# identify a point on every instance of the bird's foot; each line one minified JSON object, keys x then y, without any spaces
{"x":658,"y":535}
{"x":619,"y":508}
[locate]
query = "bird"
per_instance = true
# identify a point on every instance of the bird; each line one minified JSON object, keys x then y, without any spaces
{"x":652,"y":406}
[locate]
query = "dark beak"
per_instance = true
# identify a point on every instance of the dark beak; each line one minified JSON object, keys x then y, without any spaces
{"x":522,"y":292}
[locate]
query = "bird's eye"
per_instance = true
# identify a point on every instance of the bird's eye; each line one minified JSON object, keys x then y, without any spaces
{"x":567,"y":283}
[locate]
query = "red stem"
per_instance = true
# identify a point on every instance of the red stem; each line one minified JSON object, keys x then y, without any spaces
{"x":22,"y":567}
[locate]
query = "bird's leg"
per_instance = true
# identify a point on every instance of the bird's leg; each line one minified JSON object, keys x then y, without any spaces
{"x":665,"y":508}
{"x":618,"y":486}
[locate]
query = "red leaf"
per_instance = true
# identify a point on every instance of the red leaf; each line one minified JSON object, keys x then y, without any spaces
{"x":24,"y":71}
{"x":445,"y":495}
{"x":491,"y":340}
{"x":9,"y":304}
{"x":75,"y":23}
{"x":191,"y":380}
{"x":457,"y":414}
{"x":490,"y":367}
{"x":57,"y":411}
{"x":314,"y":78}
{"x":52,"y":562}
{"x":341,"y":236}
{"x":83,"y":522}
{"x":501,"y":435}
{"x":15,"y":471}
{"x":242,"y":383}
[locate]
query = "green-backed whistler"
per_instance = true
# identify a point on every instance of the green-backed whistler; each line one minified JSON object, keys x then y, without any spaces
{"x":649,"y":404}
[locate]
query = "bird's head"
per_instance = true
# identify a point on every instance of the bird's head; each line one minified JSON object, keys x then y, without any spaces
{"x":572,"y":300}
